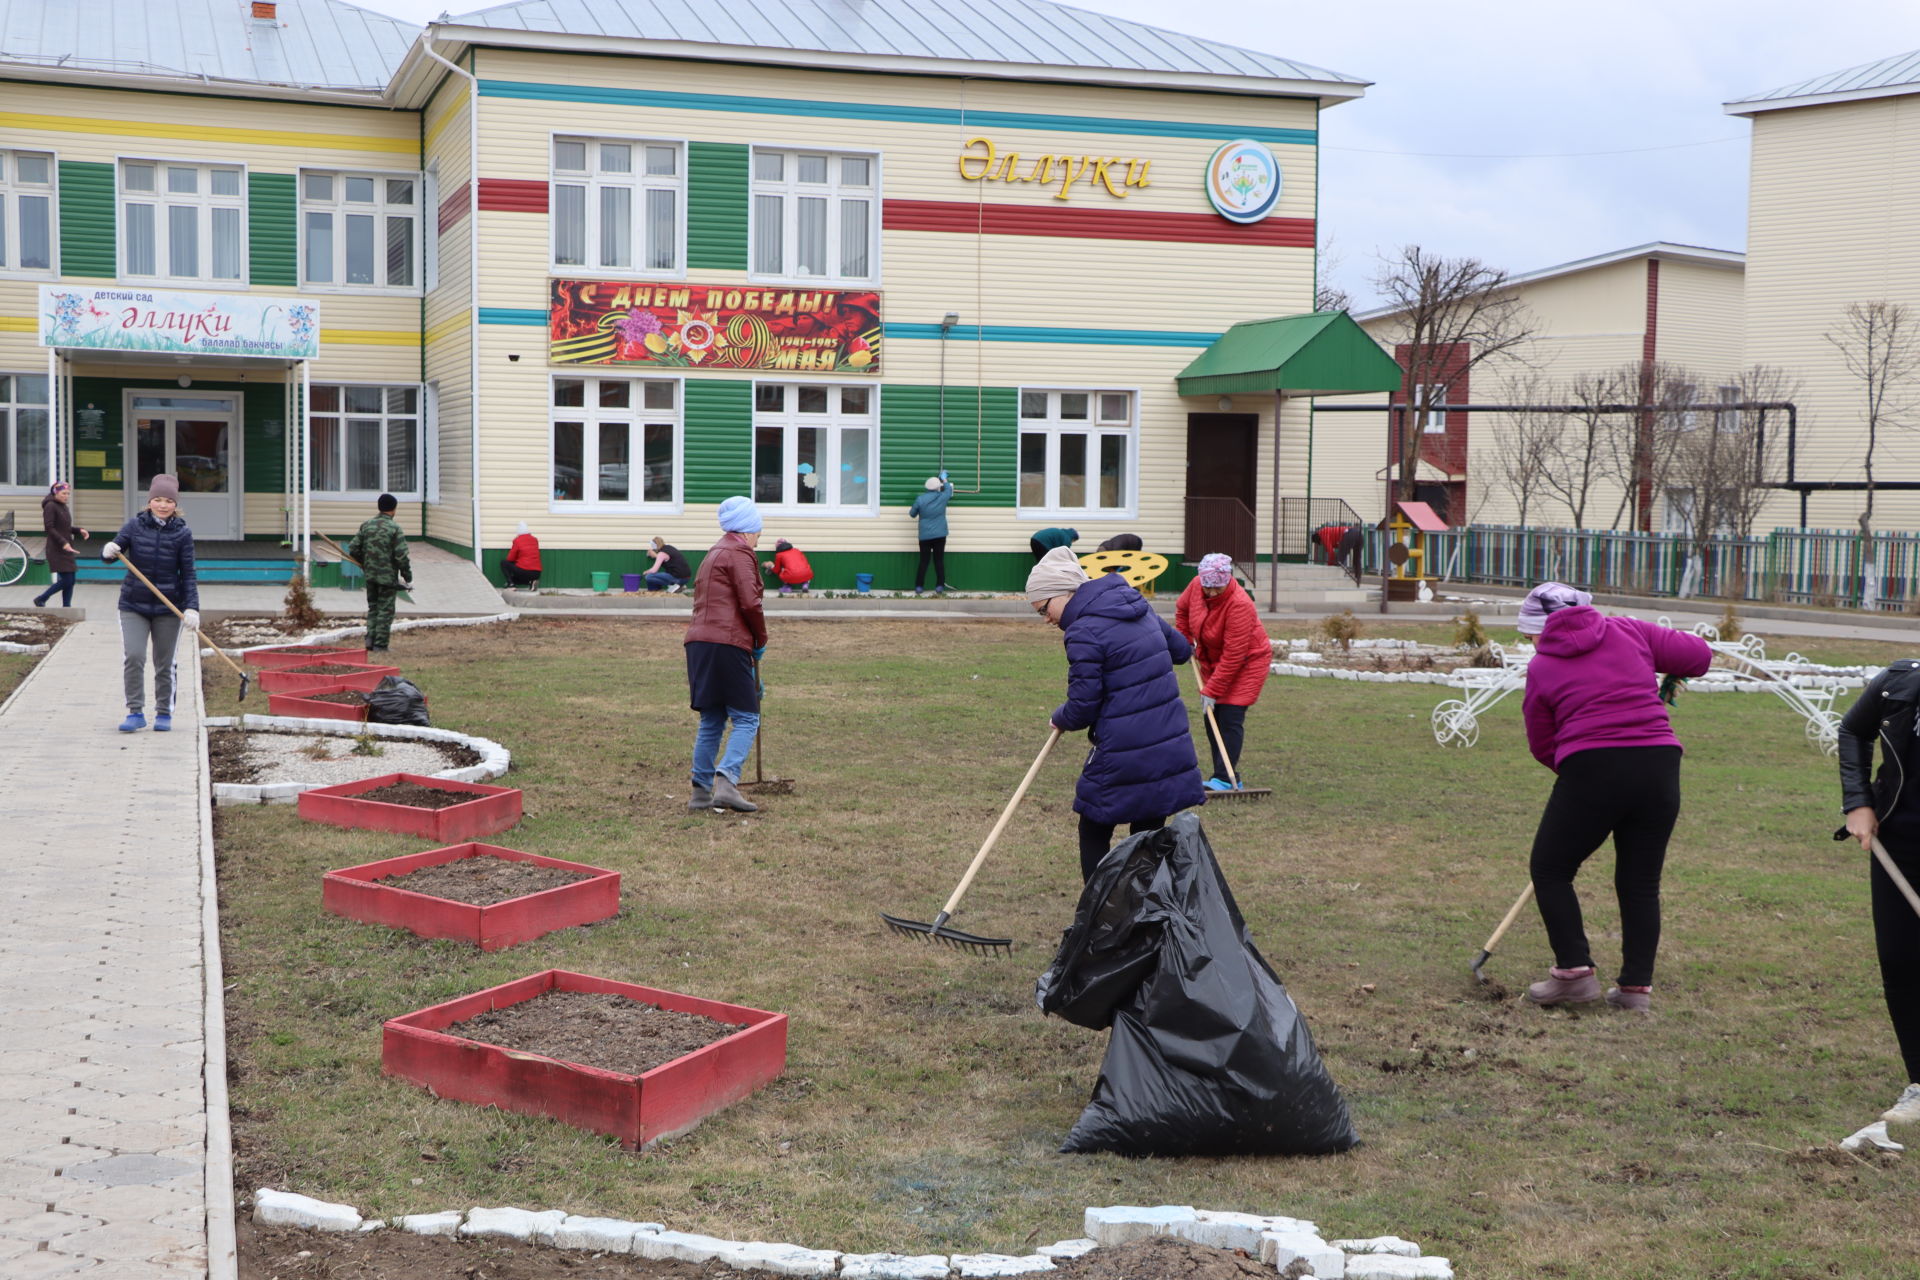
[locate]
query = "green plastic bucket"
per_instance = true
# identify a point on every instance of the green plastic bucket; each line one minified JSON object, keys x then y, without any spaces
{"x":601,"y":579}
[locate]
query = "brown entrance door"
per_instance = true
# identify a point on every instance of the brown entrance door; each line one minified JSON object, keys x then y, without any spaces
{"x":1223,"y":468}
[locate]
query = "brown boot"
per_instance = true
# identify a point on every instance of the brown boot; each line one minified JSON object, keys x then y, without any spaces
{"x":1566,"y":986}
{"x":727,"y":796}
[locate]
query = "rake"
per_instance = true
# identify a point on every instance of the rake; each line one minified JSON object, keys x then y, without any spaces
{"x":1239,"y":792}
{"x":342,"y":553}
{"x":763,"y":784}
{"x":1486,"y":952}
{"x":246,"y":680}
{"x":938,"y":931}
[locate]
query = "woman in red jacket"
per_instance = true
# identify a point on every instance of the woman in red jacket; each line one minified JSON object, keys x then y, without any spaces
{"x":1231,"y":652}
{"x":523,"y":558}
{"x":791,"y":567}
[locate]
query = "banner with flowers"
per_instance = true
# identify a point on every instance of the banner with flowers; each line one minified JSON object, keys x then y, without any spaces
{"x":713,"y":326}
{"x":216,"y":324}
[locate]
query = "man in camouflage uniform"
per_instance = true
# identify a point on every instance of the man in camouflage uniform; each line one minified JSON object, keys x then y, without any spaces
{"x":381,"y":550}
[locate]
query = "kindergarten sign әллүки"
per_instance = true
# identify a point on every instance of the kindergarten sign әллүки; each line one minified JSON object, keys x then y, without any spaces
{"x":215,"y":324}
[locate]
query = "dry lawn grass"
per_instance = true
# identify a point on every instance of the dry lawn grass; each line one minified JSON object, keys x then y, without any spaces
{"x":924,"y":1094}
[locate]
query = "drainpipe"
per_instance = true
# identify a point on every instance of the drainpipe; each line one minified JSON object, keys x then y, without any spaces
{"x":473,"y":285}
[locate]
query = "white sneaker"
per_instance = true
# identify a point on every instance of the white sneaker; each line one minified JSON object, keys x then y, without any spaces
{"x":1903,"y":1117}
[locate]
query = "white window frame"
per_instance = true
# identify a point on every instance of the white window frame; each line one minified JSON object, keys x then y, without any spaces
{"x":1678,"y":510}
{"x":344,"y":415}
{"x":1433,"y":412}
{"x":161,"y":199}
{"x":11,"y":189}
{"x":789,"y":187}
{"x":789,"y":420}
{"x":379,"y":211}
{"x":639,"y":182}
{"x":1724,"y":418}
{"x":10,"y":431}
{"x":637,"y":417}
{"x":1688,"y":396}
{"x":1053,"y":427}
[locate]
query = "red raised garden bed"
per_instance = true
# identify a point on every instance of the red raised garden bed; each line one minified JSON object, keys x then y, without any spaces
{"x":364,"y":677}
{"x":491,"y":809}
{"x":668,"y":1100}
{"x":304,"y":704}
{"x":298,"y":655}
{"x":355,"y":892}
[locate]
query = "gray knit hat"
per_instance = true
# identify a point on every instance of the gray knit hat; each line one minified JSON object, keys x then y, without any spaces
{"x":164,"y":486}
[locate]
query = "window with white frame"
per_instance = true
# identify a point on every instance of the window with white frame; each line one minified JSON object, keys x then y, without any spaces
{"x":1681,"y":399}
{"x":616,"y":204}
{"x":1727,"y":418}
{"x":1433,"y":415}
{"x":23,"y":430}
{"x":605,"y":429}
{"x":359,"y":230}
{"x":815,"y":446}
{"x":26,"y":211}
{"x":366,"y":439}
{"x":814,"y":215}
{"x":182,"y":221}
{"x":1077,"y":451}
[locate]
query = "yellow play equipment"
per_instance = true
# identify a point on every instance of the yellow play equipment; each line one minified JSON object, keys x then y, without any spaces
{"x":1139,"y":568}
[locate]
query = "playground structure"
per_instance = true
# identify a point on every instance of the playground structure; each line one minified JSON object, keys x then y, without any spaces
{"x":1807,"y":688}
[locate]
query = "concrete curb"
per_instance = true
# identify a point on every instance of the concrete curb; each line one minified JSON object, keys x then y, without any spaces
{"x":495,"y":760}
{"x":406,"y":624}
{"x":223,"y":1256}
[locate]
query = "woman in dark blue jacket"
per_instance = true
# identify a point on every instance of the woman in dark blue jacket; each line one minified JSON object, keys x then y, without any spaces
{"x":159,"y":544}
{"x":1121,"y":689}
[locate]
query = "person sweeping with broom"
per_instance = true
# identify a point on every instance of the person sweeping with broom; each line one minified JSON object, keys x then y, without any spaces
{"x":1122,"y":690}
{"x":158,"y":543}
{"x":1233,"y":655}
{"x":1594,"y":716}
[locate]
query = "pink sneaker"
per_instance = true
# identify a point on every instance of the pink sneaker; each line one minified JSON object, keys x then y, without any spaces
{"x":1566,"y":986}
{"x":1632,"y":999}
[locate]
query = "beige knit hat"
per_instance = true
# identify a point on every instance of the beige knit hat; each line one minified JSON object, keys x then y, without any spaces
{"x":1058,"y":574}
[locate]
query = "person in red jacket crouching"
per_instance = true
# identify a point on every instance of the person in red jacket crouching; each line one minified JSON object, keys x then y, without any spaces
{"x":522,"y":568}
{"x":1230,"y":651}
{"x":791,"y":567}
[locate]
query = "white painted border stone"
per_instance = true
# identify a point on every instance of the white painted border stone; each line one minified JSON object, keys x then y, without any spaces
{"x":495,"y":759}
{"x":514,"y":1224}
{"x":287,"y":1209}
{"x":345,"y":633}
{"x":1124,"y":1223}
{"x":992,"y":1266}
{"x":894,"y":1266}
{"x":1387,"y":1266}
{"x":1380,"y":1244}
{"x":1064,"y":1249}
{"x":8,"y":646}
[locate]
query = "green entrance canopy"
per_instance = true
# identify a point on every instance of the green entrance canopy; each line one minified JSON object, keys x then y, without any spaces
{"x":1324,"y":353}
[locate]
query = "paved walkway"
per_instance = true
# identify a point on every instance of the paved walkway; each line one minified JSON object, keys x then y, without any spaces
{"x":108,"y":1165}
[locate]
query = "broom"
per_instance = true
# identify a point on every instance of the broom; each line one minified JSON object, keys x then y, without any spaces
{"x":1239,"y":792}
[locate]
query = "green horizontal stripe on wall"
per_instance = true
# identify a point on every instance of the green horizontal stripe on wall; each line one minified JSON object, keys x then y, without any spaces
{"x":946,"y":116}
{"x":832,"y":570}
{"x":1033,"y":333}
{"x":717,"y":206}
{"x":979,"y":431}
{"x":272,"y":230}
{"x":86,"y":220}
{"x":718,"y":440}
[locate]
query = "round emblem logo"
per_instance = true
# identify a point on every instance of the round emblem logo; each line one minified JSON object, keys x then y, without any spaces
{"x":1243,"y":181}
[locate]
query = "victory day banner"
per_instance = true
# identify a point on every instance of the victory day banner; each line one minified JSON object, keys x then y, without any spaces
{"x":684,"y":325}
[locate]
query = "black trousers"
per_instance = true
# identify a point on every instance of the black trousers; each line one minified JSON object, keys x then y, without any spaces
{"x":1096,"y":838}
{"x":1633,"y":795}
{"x":1033,"y":545}
{"x":934,"y":549}
{"x":1896,"y":934}
{"x":518,"y":577}
{"x":1233,"y":731}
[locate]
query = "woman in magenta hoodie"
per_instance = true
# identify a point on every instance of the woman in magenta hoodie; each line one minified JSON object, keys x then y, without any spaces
{"x":1594,"y":717}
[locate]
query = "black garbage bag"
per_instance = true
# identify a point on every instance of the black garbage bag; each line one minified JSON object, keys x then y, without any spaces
{"x":397,"y":701}
{"x":1209,"y":1056}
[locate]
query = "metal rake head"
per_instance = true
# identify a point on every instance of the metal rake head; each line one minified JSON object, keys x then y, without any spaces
{"x":1241,"y":793}
{"x":954,"y":938}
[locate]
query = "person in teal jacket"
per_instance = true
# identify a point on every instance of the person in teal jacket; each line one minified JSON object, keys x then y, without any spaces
{"x":931,"y":508}
{"x":1047,"y":539}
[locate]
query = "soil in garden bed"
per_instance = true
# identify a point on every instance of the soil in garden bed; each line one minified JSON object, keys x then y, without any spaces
{"x":482,"y":881}
{"x":345,"y":697}
{"x":417,"y":796}
{"x":325,"y":669}
{"x":1163,"y":1258}
{"x":31,"y":628}
{"x":594,"y":1029}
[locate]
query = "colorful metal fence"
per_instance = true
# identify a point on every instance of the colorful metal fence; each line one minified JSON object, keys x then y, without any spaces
{"x":1803,"y":566}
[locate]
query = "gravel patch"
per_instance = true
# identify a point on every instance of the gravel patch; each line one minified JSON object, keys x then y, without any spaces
{"x":325,"y":760}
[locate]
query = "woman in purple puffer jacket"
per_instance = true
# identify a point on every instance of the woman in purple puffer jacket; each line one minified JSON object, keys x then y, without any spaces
{"x":1594,"y":716}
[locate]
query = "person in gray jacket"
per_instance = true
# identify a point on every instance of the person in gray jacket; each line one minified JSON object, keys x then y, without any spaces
{"x":931,"y":508}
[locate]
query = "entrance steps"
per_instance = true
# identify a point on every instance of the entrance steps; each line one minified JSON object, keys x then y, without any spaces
{"x":1305,"y":588}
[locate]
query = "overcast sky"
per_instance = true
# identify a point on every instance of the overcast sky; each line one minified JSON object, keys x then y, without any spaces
{"x":1470,"y":141}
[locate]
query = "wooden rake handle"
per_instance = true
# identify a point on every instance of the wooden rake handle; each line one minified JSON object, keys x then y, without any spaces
{"x":161,"y":597}
{"x":1220,"y":743}
{"x":1006,"y":816}
{"x":1893,"y":873}
{"x":1513,"y":913}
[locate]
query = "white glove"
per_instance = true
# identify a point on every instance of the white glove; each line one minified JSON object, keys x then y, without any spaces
{"x":1206,"y":703}
{"x":192,"y":619}
{"x":110,"y":552}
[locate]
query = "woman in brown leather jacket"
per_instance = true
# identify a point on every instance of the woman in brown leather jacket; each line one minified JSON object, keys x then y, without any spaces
{"x":724,"y":643}
{"x":1889,"y":808}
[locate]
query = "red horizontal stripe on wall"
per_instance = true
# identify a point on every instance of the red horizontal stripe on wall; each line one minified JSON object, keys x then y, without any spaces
{"x":1097,"y":224}
{"x":454,"y":207}
{"x":513,"y":195}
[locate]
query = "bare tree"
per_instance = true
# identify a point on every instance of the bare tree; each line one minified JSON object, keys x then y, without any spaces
{"x":1590,"y":437}
{"x":1328,"y":296}
{"x":1452,"y":315}
{"x":1526,"y":443}
{"x":1718,"y":455}
{"x":1880,"y":344}
{"x":1638,"y":450}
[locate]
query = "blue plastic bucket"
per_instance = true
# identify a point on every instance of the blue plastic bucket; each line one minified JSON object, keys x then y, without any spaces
{"x":863,"y":583}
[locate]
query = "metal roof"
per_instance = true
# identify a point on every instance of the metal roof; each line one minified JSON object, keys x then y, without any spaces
{"x":1896,"y":75}
{"x":308,"y":43}
{"x":1666,"y":250}
{"x":1020,"y":32}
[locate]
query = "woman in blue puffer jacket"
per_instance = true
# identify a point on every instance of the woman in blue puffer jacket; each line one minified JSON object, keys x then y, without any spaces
{"x":159,"y":544}
{"x":1122,"y":690}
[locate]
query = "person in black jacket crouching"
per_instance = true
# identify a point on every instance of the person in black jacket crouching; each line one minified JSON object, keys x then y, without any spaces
{"x":1890,"y":809}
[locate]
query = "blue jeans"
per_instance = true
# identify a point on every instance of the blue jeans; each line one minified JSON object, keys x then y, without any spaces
{"x":63,"y":583}
{"x":661,"y":581}
{"x":706,"y":743}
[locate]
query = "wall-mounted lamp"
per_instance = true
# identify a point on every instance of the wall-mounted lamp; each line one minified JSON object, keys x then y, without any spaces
{"x":513,"y":359}
{"x":184,"y":380}
{"x":947,"y":321}
{"x":1226,"y":404}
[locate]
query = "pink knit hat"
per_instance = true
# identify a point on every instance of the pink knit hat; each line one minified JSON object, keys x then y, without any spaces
{"x":1216,"y":570}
